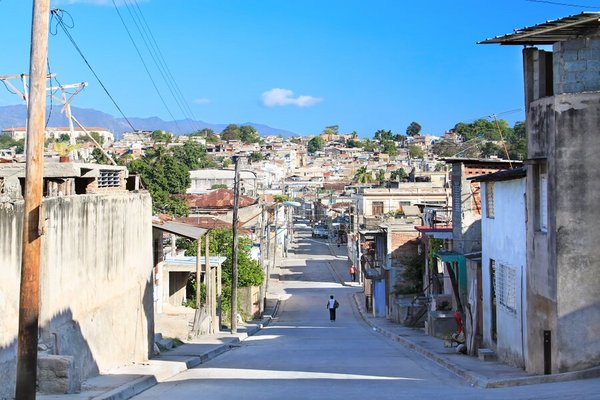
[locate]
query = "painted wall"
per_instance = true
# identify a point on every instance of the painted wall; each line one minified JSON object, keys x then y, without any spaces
{"x":504,"y":241}
{"x":96,"y":281}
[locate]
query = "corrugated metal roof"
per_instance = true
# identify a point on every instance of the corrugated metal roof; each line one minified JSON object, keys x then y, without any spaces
{"x":179,"y":229}
{"x":551,"y":32}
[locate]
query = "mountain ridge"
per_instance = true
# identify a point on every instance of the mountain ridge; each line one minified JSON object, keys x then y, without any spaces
{"x":14,"y":116}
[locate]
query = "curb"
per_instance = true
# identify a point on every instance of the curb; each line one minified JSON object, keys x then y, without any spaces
{"x":139,"y":385}
{"x":473,"y":378}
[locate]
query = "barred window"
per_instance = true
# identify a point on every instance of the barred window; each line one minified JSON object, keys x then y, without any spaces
{"x":109,"y":178}
{"x":506,"y":287}
{"x":489,"y":199}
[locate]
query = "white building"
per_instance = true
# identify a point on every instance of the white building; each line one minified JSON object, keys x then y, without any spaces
{"x":204,"y":180}
{"x":503,"y":264}
{"x":55,"y":133}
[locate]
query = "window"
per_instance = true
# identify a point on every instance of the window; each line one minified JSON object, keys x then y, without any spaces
{"x":542,"y":197}
{"x":489,"y":199}
{"x":506,"y":288}
{"x":109,"y":178}
{"x":377,"y":208}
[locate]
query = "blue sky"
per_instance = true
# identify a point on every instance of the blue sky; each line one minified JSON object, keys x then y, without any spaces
{"x":298,"y":65}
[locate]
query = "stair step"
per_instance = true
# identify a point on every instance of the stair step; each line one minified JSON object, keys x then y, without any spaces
{"x":487,"y":355}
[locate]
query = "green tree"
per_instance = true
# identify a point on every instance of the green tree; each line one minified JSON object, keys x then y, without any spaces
{"x":256,"y":156}
{"x":383,"y":135}
{"x":231,"y":132}
{"x":389,"y":148}
{"x":353,"y":143}
{"x":161,"y":136}
{"x":248,"y":134}
{"x":413,"y":129}
{"x":415,"y":152}
{"x":165,"y":177}
{"x":220,"y":242}
{"x":398,"y":174}
{"x":362,"y":175}
{"x":227,"y":162}
{"x":64,"y":137}
{"x":99,"y":156}
{"x":489,"y":149}
{"x":380,"y":175}
{"x":369,"y":145}
{"x":483,"y":128}
{"x":193,"y":155}
{"x":315,"y":144}
{"x":208,"y":134}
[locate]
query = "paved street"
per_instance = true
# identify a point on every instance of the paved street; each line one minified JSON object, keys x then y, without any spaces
{"x":302,"y":355}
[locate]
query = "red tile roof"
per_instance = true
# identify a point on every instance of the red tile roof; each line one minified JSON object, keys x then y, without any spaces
{"x":217,"y":199}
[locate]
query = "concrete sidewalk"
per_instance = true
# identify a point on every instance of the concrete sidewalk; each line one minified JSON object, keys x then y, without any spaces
{"x":126,"y":382}
{"x":486,"y":374}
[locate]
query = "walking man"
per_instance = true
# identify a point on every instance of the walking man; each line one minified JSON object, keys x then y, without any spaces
{"x":332,"y":305}
{"x":353,"y":273}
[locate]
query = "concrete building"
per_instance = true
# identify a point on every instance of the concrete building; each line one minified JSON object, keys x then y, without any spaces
{"x":562,"y":103}
{"x":56,"y":132}
{"x":95,"y":279}
{"x":203,"y":181}
{"x":500,"y":317}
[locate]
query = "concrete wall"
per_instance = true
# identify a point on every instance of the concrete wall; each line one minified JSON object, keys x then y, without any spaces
{"x":564,"y":284}
{"x":504,"y":241}
{"x":466,"y":221}
{"x":576,"y":65}
{"x":96,"y":288}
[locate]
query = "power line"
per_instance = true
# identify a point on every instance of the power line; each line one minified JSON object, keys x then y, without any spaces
{"x":145,"y":66}
{"x":58,"y":13}
{"x":168,"y":70}
{"x":152,"y":47}
{"x":562,"y":4}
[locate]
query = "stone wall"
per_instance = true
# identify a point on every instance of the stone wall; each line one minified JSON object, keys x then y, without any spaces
{"x":95,"y":278}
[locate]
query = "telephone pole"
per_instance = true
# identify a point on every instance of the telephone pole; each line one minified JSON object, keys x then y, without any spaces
{"x":234,"y":257}
{"x":29,"y":300}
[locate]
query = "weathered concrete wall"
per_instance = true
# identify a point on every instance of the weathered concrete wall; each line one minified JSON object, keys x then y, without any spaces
{"x":576,"y":65}
{"x":564,"y":284}
{"x":96,"y":288}
{"x":504,"y":241}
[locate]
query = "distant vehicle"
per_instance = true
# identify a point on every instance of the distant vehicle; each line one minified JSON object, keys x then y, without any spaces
{"x":320,"y":231}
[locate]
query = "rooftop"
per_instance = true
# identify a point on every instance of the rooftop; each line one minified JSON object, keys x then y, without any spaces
{"x":550,"y":32}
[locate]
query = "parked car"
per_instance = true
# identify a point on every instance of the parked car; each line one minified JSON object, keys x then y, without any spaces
{"x":320,"y":231}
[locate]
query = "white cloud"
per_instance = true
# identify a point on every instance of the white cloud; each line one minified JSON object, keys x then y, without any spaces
{"x":285,"y":97}
{"x":202,"y":101}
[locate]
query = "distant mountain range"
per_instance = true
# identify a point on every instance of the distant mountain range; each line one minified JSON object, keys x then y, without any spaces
{"x":15,"y":117}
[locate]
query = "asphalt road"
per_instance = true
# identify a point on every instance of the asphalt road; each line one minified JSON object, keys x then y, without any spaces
{"x":302,"y":355}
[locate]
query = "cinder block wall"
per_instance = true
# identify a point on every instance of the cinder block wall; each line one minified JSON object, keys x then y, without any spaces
{"x":96,"y":287}
{"x":576,"y":65}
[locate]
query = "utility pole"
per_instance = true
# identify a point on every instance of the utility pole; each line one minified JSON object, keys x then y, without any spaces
{"x":234,"y":258}
{"x":29,"y":299}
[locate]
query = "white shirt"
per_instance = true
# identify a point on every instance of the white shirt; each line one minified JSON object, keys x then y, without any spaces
{"x":331,"y":303}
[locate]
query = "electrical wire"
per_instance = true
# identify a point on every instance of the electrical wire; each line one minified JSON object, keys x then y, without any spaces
{"x":51,"y":102}
{"x":168,"y":70}
{"x":151,"y":48}
{"x":145,"y":66}
{"x":562,"y":4}
{"x":59,"y":15}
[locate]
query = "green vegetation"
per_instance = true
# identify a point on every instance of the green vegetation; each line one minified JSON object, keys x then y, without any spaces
{"x":414,"y":129}
{"x":315,"y":144}
{"x":256,"y":156}
{"x":6,"y":142}
{"x":362,"y":175}
{"x":398,"y":174}
{"x":415,"y":152}
{"x":165,"y":177}
{"x":250,"y":272}
{"x":245,"y":133}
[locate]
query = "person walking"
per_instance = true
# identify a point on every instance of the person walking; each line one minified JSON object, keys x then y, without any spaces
{"x":332,"y":305}
{"x":353,"y":272}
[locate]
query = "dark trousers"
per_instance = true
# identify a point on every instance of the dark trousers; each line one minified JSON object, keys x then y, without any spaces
{"x":332,"y":314}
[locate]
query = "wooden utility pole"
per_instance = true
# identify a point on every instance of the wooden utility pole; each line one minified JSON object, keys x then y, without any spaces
{"x":234,"y":258}
{"x":29,"y":300}
{"x":199,"y":275}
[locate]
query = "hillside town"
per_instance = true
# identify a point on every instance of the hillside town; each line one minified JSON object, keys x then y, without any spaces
{"x":475,"y":248}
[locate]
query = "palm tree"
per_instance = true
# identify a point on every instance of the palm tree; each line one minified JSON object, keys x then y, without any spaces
{"x":362,"y":175}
